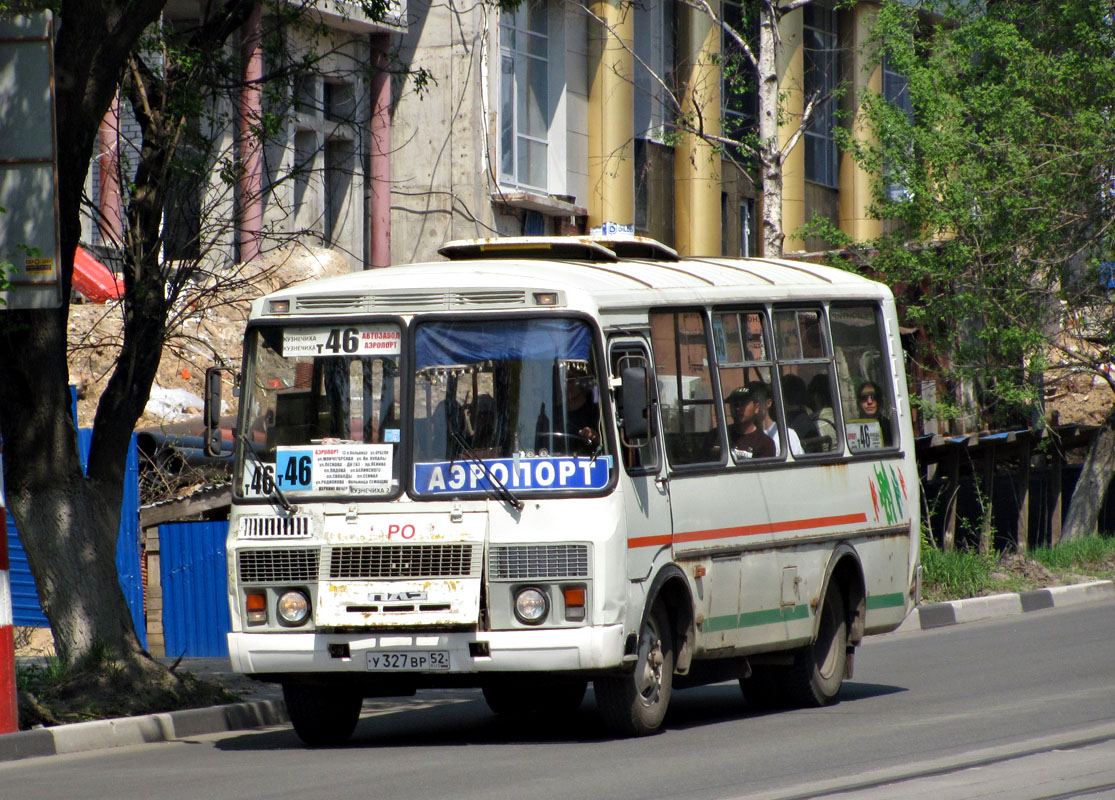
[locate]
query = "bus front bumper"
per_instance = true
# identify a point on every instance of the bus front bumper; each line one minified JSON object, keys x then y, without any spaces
{"x":589,"y":648}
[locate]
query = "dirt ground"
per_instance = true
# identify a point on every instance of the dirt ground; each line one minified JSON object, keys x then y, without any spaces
{"x":207,"y":334}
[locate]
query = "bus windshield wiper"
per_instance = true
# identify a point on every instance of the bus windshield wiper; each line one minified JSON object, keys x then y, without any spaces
{"x":276,"y":493}
{"x":499,"y":489}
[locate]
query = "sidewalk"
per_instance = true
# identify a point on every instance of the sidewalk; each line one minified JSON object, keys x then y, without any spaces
{"x":265,"y":707}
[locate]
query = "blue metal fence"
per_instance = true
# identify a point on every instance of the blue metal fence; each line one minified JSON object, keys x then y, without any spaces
{"x":195,"y":598}
{"x":26,"y":608}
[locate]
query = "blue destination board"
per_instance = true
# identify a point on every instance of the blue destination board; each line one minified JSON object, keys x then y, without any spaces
{"x":518,"y":474}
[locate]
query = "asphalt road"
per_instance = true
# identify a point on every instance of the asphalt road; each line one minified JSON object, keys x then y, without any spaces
{"x":1022,"y":707}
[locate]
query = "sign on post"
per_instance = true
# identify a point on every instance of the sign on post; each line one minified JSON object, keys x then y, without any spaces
{"x":30,"y":252}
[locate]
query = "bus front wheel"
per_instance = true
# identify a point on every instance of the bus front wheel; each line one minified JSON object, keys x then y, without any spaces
{"x":323,"y":716}
{"x":635,"y":704}
{"x":817,"y":671}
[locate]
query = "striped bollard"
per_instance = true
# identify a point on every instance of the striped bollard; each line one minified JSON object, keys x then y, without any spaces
{"x":9,"y":706}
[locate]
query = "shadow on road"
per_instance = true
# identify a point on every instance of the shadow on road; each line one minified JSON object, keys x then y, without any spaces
{"x":457,"y":717}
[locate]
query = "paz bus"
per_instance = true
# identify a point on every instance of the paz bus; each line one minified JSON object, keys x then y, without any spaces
{"x":549,"y":461}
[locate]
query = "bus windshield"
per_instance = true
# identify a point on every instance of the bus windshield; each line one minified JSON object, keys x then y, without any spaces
{"x":321,"y":411}
{"x":515,"y":401}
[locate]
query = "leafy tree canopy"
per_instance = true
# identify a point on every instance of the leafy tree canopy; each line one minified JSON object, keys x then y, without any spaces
{"x":996,"y":189}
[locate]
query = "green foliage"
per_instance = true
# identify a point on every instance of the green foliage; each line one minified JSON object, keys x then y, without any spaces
{"x":996,"y":192}
{"x":956,"y":574}
{"x":42,"y":676}
{"x":1081,"y":555}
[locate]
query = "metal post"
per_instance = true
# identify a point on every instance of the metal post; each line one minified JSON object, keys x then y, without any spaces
{"x":9,"y":705}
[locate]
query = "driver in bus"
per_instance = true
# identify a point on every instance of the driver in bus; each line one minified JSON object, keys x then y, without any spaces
{"x":582,"y":417}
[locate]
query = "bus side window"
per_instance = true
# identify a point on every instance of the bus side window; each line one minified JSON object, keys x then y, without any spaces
{"x":866,"y":398}
{"x":806,"y":379}
{"x":638,"y":455}
{"x":684,"y":382}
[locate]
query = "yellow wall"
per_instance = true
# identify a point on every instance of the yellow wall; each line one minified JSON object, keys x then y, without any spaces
{"x":855,"y":184}
{"x":791,"y":71}
{"x":696,"y":168}
{"x":611,"y":149}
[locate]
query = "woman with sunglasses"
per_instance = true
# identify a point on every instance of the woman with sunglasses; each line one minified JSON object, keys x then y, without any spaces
{"x":870,"y":407}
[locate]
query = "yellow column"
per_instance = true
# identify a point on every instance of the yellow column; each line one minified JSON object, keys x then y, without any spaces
{"x":791,"y":77}
{"x":855,"y":182}
{"x":697,"y":187}
{"x":611,"y":104}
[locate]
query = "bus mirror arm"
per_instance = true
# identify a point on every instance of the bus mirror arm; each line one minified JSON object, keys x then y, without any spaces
{"x":634,"y":403}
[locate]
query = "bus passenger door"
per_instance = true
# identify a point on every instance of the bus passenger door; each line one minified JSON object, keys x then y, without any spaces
{"x":646,"y":500}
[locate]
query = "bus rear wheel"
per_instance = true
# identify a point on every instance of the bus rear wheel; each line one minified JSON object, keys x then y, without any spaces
{"x":323,"y":716}
{"x":817,"y":672}
{"x":635,"y":704}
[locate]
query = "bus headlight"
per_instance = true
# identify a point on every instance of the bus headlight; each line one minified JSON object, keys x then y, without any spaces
{"x":531,"y":605}
{"x":293,"y":607}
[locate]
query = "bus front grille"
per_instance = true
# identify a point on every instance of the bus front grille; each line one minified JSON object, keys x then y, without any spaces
{"x":534,"y":561}
{"x":285,"y":565}
{"x":370,"y":562}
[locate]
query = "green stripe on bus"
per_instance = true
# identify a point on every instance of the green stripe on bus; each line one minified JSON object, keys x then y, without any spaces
{"x":771,"y":616}
{"x":895,"y":600}
{"x":753,"y":618}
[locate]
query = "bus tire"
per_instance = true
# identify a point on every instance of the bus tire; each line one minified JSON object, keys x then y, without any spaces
{"x":323,"y":716}
{"x":635,"y":704}
{"x":817,"y":671}
{"x":520,"y":698}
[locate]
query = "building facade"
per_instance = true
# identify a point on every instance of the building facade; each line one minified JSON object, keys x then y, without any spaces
{"x":549,"y":118}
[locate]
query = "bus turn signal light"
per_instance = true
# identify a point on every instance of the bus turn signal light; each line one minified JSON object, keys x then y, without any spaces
{"x":574,"y":602}
{"x":256,"y":603}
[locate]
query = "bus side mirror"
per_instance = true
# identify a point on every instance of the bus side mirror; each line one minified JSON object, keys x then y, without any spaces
{"x":212,"y":412}
{"x":634,"y":403}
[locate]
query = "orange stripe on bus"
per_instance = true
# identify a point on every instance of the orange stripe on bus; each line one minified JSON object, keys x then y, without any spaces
{"x":749,"y":530}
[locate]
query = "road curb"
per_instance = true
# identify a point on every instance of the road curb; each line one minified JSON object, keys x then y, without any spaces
{"x":125,"y":731}
{"x":955,"y":612}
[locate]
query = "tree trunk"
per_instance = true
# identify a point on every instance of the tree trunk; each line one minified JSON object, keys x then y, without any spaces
{"x":1091,"y":489}
{"x":770,"y":154}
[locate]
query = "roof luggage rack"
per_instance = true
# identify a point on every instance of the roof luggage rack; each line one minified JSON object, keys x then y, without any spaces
{"x":562,"y":248}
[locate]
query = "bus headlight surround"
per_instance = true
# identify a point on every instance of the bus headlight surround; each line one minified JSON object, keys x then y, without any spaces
{"x":293,"y":607}
{"x":531,"y":605}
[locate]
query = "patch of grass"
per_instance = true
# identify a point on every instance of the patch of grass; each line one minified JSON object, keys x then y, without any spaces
{"x":45,"y":675}
{"x":953,"y":575}
{"x":1094,"y":555}
{"x":963,"y":573}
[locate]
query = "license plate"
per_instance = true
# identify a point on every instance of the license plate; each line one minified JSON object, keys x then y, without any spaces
{"x":407,"y":660}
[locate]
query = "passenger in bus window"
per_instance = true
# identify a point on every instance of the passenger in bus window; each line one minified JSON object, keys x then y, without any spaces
{"x":745,"y":437}
{"x":870,"y":407}
{"x":795,"y":401}
{"x":767,"y":422}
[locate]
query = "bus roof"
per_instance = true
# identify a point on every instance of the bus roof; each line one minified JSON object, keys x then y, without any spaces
{"x":588,"y":273}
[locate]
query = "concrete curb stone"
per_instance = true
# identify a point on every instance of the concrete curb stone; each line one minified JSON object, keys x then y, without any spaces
{"x":954,"y":612}
{"x":122,"y":732}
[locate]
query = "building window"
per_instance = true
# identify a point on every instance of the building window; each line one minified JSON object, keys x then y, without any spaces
{"x":738,"y":91}
{"x":653,"y":65}
{"x":524,"y":104}
{"x":896,"y":90}
{"x":820,"y":85}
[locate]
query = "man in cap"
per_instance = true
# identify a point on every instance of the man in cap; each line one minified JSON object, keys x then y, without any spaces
{"x":745,"y":437}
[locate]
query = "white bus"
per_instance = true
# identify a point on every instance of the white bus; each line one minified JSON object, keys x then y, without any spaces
{"x":549,"y":461}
